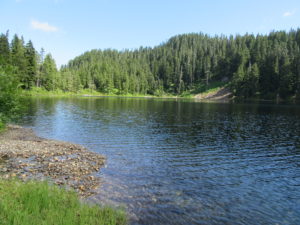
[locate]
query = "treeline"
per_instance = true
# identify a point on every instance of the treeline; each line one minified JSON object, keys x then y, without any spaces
{"x":21,"y":67}
{"x":261,"y":65}
{"x":32,"y":69}
{"x":265,"y":66}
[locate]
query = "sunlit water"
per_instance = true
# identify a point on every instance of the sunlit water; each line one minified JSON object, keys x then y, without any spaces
{"x":184,"y":162}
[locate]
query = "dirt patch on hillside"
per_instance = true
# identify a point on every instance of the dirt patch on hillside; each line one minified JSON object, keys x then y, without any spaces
{"x":223,"y":94}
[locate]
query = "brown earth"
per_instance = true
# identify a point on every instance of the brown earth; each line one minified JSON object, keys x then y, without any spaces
{"x":223,"y":94}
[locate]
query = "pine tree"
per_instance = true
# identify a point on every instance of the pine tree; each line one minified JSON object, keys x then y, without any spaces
{"x":40,"y":61}
{"x":4,"y":50}
{"x":30,"y":77}
{"x":18,"y":59}
{"x":49,"y":73}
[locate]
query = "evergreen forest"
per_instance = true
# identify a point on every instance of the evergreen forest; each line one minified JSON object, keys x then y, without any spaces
{"x":260,"y":66}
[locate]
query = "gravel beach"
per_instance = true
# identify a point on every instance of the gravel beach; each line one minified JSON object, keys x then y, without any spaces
{"x":25,"y":155}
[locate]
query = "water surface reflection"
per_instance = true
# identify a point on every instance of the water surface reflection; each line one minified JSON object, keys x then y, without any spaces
{"x":184,"y":162}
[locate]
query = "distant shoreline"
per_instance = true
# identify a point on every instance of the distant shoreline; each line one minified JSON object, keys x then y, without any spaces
{"x":221,"y":94}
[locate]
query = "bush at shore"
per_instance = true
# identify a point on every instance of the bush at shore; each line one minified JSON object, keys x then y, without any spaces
{"x":39,"y":203}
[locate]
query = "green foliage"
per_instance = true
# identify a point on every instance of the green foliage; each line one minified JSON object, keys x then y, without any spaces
{"x":256,"y":66}
{"x":31,"y":66}
{"x":211,"y":87}
{"x":41,"y":91}
{"x":246,"y":83}
{"x":10,"y":102}
{"x":18,"y":59}
{"x":2,"y":126}
{"x":38,"y":203}
{"x":49,"y":74}
{"x":4,"y":50}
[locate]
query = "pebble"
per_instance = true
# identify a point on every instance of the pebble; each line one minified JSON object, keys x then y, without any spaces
{"x":28,"y":156}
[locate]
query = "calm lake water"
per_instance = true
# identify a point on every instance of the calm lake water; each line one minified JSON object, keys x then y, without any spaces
{"x":184,"y":162}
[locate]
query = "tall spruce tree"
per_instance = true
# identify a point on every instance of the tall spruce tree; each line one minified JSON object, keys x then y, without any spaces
{"x":4,"y":50}
{"x":18,"y":59}
{"x":31,"y":66}
{"x":49,"y":74}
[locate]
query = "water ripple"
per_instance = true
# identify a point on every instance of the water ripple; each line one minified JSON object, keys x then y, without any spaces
{"x":182,"y":162}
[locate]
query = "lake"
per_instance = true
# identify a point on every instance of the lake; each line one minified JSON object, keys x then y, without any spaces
{"x":176,"y":161}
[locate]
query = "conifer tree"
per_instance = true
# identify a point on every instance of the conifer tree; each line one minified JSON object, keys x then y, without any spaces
{"x":4,"y":50}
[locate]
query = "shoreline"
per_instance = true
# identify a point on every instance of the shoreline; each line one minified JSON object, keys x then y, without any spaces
{"x":220,"y":95}
{"x":26,"y":156}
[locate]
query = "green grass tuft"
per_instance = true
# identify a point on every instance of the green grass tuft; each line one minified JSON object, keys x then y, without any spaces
{"x":38,"y":203}
{"x":2,"y":124}
{"x":41,"y":92}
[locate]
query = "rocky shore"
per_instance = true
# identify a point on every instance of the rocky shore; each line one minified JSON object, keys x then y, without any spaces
{"x":27,"y":156}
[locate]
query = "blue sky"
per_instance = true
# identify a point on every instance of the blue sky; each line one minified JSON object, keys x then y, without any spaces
{"x":67,"y":28}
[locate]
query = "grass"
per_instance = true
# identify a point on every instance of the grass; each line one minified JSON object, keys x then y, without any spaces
{"x":41,"y":92}
{"x":211,"y":90}
{"x":197,"y":89}
{"x":38,"y":203}
{"x":2,"y":125}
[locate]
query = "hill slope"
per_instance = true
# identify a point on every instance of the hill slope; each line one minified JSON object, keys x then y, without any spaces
{"x":220,"y":94}
{"x":262,"y":65}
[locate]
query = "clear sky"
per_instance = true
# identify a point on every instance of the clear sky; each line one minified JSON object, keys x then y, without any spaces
{"x":68,"y":28}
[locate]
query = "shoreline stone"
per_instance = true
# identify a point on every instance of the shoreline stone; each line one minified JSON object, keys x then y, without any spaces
{"x":25,"y":155}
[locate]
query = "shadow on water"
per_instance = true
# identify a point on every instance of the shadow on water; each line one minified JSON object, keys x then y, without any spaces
{"x":174,"y":161}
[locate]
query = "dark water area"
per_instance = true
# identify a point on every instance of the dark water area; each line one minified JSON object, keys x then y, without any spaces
{"x":185,"y":162}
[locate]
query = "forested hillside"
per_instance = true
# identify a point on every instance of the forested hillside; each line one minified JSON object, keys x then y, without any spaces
{"x":253,"y":66}
{"x":264,"y":65}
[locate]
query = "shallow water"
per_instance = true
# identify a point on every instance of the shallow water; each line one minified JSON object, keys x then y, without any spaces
{"x":184,"y":162}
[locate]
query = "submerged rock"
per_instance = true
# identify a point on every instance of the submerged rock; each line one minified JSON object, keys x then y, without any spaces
{"x":28,"y":156}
